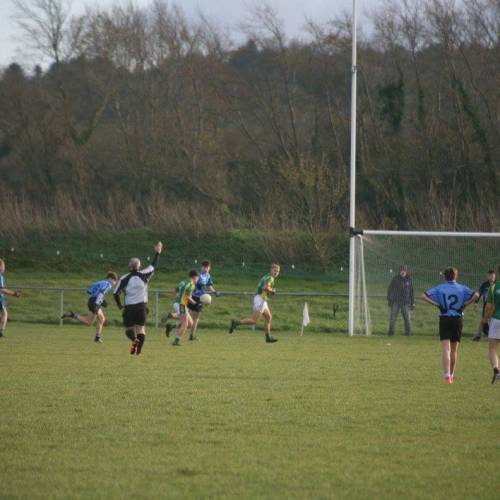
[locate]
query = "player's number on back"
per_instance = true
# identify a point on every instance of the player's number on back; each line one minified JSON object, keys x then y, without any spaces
{"x":449,"y":302}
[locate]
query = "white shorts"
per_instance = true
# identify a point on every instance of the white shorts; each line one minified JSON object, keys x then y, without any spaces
{"x":177,"y":309}
{"x":494,"y":331}
{"x":259,"y":304}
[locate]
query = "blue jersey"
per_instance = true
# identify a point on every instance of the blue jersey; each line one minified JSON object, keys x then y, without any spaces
{"x":451,"y":297}
{"x":99,"y":288}
{"x":205,"y":280}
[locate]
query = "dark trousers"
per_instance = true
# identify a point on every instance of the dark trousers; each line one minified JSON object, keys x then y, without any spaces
{"x":405,"y":311}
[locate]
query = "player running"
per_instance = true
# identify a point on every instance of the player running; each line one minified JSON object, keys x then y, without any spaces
{"x":203,"y":285}
{"x":260,"y":306}
{"x":451,"y":298}
{"x":185,"y":290}
{"x":3,"y":302}
{"x":493,"y":316}
{"x":134,"y":285}
{"x":96,"y":293}
{"x":483,"y":292}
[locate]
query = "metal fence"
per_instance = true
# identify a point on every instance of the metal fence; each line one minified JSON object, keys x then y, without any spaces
{"x":43,"y":306}
{"x":328,"y":310}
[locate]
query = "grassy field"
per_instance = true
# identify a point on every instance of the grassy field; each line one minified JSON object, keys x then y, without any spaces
{"x":319,"y":416}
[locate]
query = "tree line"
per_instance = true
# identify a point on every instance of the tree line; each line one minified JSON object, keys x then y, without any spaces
{"x":143,"y":116}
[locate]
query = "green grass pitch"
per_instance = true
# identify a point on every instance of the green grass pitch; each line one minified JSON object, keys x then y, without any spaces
{"x":318,"y":416}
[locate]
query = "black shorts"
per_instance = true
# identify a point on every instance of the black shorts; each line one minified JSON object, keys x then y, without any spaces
{"x":135,"y":314}
{"x":450,"y":328}
{"x":195,"y":307}
{"x":93,"y":307}
{"x":3,"y":303}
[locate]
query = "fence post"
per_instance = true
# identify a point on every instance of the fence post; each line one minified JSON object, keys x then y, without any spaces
{"x":61,"y":307}
{"x":157,"y":312}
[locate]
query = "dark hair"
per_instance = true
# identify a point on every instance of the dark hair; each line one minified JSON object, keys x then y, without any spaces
{"x":491,"y":272}
{"x":112,"y":275}
{"x":206,"y":263}
{"x":450,"y":273}
{"x":193,"y":273}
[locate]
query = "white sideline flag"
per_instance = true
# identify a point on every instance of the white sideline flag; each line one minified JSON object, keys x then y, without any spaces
{"x":305,"y":318}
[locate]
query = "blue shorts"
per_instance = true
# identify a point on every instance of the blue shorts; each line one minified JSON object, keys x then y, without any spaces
{"x":3,"y":303}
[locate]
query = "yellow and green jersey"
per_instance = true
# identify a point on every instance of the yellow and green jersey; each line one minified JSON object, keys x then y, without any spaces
{"x":184,"y":290}
{"x":494,"y":298}
{"x":265,"y":281}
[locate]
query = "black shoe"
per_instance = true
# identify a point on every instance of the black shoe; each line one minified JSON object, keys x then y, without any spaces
{"x":270,"y":339}
{"x":496,"y":376}
{"x":194,"y":339}
{"x":391,"y":334}
{"x":69,"y":314}
{"x":176,"y":342}
{"x":1,"y":334}
{"x":233,"y":325}
{"x":407,"y":334}
{"x":98,"y":338}
{"x":476,"y":338}
{"x":168,"y":329}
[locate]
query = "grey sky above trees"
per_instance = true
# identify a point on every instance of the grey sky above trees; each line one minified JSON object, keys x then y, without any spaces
{"x":226,"y":13}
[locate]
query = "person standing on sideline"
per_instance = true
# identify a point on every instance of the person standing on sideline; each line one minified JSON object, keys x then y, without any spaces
{"x":401,"y":297}
{"x":3,"y":303}
{"x":493,"y":317}
{"x":451,"y":298}
{"x":134,"y":285}
{"x":483,"y":292}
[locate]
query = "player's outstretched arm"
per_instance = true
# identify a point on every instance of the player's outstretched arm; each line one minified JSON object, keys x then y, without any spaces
{"x":13,"y":293}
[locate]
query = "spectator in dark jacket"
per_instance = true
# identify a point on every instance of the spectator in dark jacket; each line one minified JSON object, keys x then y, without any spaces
{"x":400,"y":296}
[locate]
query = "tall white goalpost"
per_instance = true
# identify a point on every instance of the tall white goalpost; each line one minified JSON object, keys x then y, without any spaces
{"x":352,"y":192}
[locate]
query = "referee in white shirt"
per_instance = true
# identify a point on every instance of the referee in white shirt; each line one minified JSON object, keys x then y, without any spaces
{"x":134,"y":285}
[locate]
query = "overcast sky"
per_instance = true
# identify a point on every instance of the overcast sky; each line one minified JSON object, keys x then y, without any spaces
{"x":227,"y":13}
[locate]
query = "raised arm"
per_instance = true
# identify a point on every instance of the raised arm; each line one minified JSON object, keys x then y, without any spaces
{"x":158,"y":251}
{"x":147,"y":272}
